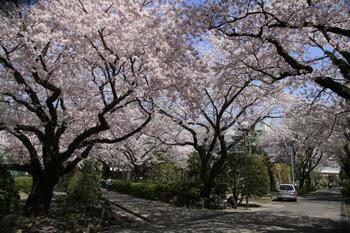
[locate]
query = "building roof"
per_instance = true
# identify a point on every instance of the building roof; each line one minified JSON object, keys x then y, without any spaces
{"x":329,"y":170}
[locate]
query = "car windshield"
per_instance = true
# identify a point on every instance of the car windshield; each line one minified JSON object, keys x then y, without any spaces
{"x":286,"y":187}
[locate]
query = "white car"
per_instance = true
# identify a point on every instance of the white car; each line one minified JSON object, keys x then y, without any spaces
{"x":287,"y":192}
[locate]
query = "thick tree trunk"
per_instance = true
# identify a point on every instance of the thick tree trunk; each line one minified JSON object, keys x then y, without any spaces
{"x":209,"y":181}
{"x":39,"y":199}
{"x":136,"y":173}
{"x":204,"y":176}
{"x":206,"y":190}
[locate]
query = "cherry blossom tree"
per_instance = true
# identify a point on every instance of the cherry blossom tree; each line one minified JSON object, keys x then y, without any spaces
{"x":304,"y":135}
{"x":220,"y":101}
{"x":139,"y":153}
{"x":303,"y":43}
{"x":299,"y":40}
{"x":142,"y":151}
{"x":341,"y":121}
{"x":75,"y":74}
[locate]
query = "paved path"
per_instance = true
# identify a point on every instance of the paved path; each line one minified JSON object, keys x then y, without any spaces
{"x":319,"y":212}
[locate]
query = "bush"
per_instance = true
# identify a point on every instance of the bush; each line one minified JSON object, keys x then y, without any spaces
{"x":9,"y":198}
{"x":8,"y":223}
{"x":63,"y":183}
{"x":221,"y":189}
{"x":23,"y":183}
{"x":282,"y":173}
{"x":323,"y":183}
{"x":194,"y":194}
{"x":84,"y":185}
{"x":178,"y":193}
{"x":188,"y":194}
{"x":164,"y":172}
{"x":346,"y":188}
{"x":247,"y":175}
{"x":147,"y":190}
{"x":121,"y":186}
{"x":305,"y":190}
{"x":258,"y":177}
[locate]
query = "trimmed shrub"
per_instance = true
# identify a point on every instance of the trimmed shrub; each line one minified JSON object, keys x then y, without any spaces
{"x":121,"y":186}
{"x":175,"y":192}
{"x":23,"y":183}
{"x":9,"y":198}
{"x":147,"y":190}
{"x":163,"y":172}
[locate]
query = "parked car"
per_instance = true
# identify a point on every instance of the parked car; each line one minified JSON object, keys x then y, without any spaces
{"x":287,"y":192}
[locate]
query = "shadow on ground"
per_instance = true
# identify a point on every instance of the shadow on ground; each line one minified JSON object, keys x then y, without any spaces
{"x":239,"y":222}
{"x":167,"y":218}
{"x":324,"y":196}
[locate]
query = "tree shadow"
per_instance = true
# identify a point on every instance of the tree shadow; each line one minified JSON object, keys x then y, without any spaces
{"x":239,"y":222}
{"x":168,"y":218}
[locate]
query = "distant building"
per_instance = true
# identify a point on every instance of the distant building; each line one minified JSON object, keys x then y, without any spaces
{"x":327,"y":171}
{"x":246,"y":141}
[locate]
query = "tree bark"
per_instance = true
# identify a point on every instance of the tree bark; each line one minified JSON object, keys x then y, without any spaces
{"x":39,"y":199}
{"x":207,"y":187}
{"x":301,"y":182}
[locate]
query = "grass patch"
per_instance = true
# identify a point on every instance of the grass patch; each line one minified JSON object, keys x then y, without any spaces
{"x":23,"y":183}
{"x":23,"y":195}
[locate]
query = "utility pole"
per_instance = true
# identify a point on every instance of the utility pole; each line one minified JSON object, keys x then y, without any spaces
{"x":245,"y":127}
{"x":246,"y":169}
{"x":291,"y":161}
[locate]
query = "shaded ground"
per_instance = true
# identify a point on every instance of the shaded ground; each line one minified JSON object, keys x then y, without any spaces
{"x":320,"y":204}
{"x":319,"y":212}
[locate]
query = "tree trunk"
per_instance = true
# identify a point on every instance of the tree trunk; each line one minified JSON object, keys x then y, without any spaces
{"x":247,"y":200}
{"x":301,"y":183}
{"x":39,"y":199}
{"x":234,"y":200}
{"x":207,"y":190}
{"x":204,"y":176}
{"x":305,"y":177}
{"x":307,"y":182}
{"x":136,"y":174}
{"x":106,"y":170}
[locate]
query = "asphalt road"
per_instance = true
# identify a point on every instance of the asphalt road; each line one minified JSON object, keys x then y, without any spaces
{"x":320,"y":204}
{"x":325,"y":205}
{"x":317,"y":213}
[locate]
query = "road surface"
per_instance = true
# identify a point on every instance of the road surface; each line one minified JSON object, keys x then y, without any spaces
{"x":317,"y":213}
{"x":321,"y":204}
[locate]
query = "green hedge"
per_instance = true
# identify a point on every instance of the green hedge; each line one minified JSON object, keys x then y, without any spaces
{"x":148,"y":190}
{"x":176,"y":192}
{"x":23,"y":183}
